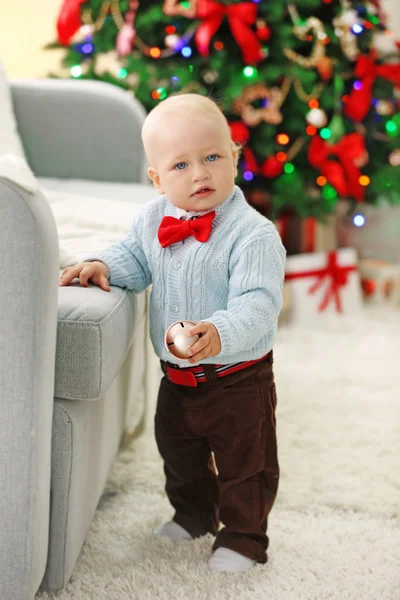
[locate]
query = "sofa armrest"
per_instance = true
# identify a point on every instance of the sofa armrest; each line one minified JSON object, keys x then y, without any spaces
{"x":80,"y":129}
{"x":28,"y":324}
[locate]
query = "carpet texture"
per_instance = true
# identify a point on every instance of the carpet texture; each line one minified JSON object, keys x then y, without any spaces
{"x":334,"y":530}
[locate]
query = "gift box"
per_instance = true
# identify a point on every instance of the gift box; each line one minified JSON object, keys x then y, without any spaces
{"x":307,"y":234}
{"x":323,"y":284}
{"x":380,"y":281}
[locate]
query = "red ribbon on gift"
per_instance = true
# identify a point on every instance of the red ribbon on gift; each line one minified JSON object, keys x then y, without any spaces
{"x":337,"y":274}
{"x":344,"y":175}
{"x":366,"y":71}
{"x":240,"y":18}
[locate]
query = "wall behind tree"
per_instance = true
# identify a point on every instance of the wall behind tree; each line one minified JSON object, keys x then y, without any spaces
{"x":25,"y":27}
{"x":392,"y":9}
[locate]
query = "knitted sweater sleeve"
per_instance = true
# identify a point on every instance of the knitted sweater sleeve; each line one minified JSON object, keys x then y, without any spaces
{"x":255,"y":292}
{"x":126,"y":260}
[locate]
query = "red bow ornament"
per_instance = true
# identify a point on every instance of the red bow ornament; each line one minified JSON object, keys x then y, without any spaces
{"x":69,"y":20}
{"x":344,"y":174}
{"x":366,"y":71}
{"x":240,"y":18}
{"x":174,"y":230}
{"x":270,"y":168}
{"x":337,"y":276}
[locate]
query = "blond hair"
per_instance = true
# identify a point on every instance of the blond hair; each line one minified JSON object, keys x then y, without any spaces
{"x":191,"y":105}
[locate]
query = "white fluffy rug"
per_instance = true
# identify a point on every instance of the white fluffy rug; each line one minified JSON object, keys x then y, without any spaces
{"x":334,"y":529}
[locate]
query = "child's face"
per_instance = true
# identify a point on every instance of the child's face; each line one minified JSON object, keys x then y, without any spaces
{"x":194,"y":163}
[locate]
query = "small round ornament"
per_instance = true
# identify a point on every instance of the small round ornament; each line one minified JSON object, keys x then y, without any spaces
{"x":263,"y":31}
{"x":272,"y":167}
{"x":317,"y":117}
{"x":385,"y":107}
{"x":172,"y":40}
{"x":368,"y":286}
{"x":177,"y":341}
{"x":394,"y":158}
{"x":210,"y":77}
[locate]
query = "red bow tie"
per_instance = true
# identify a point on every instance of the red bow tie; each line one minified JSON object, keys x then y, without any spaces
{"x":174,"y":230}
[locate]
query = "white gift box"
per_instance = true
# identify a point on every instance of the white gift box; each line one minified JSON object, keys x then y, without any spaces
{"x":323,"y":284}
{"x":380,"y":281}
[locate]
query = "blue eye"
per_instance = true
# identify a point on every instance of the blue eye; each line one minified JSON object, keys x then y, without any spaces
{"x":180,"y":166}
{"x":212,"y":158}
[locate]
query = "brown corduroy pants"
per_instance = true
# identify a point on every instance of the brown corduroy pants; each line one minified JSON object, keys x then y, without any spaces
{"x":232,"y":417}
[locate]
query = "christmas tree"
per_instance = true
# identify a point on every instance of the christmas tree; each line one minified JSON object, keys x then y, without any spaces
{"x":306,"y":89}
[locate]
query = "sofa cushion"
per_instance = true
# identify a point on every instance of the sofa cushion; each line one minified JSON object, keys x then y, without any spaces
{"x":95,"y":330}
{"x":138,"y":193}
{"x":92,"y":215}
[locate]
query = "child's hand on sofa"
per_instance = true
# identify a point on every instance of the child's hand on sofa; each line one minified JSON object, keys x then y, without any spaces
{"x":96,"y":271}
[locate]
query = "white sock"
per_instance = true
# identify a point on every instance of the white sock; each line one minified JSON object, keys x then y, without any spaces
{"x":225,"y":560}
{"x":173,"y":531}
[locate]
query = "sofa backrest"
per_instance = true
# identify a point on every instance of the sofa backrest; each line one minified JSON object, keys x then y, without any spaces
{"x":80,"y":129}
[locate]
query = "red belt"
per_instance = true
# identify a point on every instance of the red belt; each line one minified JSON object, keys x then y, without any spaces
{"x":192,"y":375}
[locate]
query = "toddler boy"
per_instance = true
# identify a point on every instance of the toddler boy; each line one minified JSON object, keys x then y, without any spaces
{"x":213,"y":259}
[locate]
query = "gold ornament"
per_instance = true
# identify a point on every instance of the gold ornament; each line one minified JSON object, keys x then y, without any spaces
{"x":342,"y":25}
{"x":107,"y":62}
{"x":97,"y":24}
{"x":270,"y":113}
{"x":174,"y":8}
{"x":210,"y":77}
{"x":295,"y":149}
{"x":302,"y":95}
{"x":384,"y":107}
{"x":317,"y":117}
{"x":302,"y":32}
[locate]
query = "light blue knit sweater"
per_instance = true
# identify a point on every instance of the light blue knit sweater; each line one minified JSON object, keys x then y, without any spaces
{"x":233,"y":280}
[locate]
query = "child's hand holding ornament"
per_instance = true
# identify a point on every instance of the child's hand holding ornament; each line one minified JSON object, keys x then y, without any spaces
{"x":192,"y":341}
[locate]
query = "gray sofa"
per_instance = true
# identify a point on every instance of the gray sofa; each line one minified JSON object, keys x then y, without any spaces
{"x":72,"y":358}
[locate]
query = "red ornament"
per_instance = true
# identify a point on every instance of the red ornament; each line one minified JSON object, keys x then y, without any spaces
{"x":69,"y":20}
{"x":325,"y":68}
{"x":368,"y":286}
{"x":264,"y":33}
{"x":239,"y":132}
{"x":272,"y":167}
